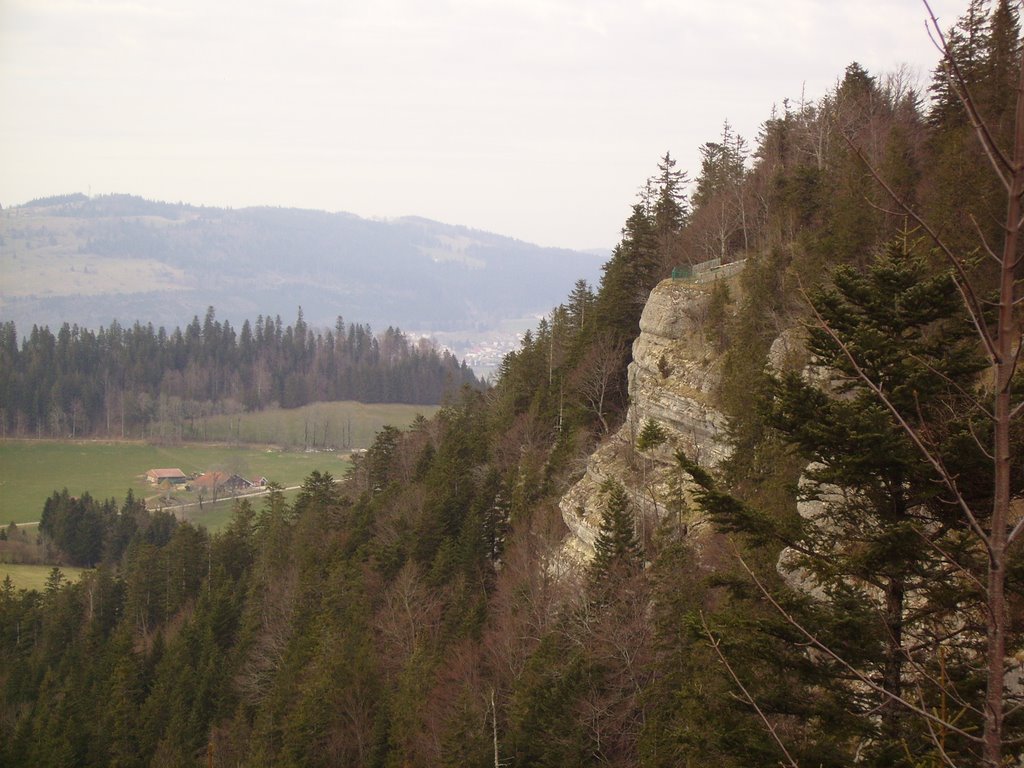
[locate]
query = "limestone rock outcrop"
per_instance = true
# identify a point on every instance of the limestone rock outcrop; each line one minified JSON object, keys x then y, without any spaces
{"x":672,"y":381}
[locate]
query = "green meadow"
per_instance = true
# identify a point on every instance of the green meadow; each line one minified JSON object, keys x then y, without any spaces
{"x":31,"y":470}
{"x":35,"y":576}
{"x":340,"y":425}
{"x":268,"y":443}
{"x":214,"y":517}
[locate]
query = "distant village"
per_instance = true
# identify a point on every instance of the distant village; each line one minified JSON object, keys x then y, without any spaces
{"x":485,"y":356}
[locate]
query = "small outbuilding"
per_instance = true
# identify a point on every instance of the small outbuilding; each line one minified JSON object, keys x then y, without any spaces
{"x":173,"y":476}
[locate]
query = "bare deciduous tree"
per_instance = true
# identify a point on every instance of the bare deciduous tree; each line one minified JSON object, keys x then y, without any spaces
{"x":596,"y":376}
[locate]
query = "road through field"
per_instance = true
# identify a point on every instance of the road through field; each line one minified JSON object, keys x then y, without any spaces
{"x":186,"y":505}
{"x":177,"y":507}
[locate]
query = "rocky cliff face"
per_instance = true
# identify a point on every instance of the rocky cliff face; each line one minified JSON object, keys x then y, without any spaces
{"x":672,"y":380}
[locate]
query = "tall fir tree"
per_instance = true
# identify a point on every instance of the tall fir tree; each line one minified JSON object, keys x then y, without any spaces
{"x":879,"y":548}
{"x":617,"y":551}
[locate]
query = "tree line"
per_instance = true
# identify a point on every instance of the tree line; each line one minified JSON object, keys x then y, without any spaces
{"x":118,"y":381}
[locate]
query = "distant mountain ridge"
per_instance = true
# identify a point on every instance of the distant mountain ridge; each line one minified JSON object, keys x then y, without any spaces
{"x":89,"y":260}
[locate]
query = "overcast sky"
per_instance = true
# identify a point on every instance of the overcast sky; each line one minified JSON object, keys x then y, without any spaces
{"x":538,"y":119}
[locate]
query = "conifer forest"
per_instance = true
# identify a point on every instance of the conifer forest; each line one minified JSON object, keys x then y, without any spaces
{"x":118,"y":381}
{"x":425,"y":609}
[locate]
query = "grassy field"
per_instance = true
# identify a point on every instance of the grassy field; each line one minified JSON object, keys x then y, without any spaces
{"x":341,"y":425}
{"x":31,"y":470}
{"x":35,"y":576}
{"x":214,"y":517}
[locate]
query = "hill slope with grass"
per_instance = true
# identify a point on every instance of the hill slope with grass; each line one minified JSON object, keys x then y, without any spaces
{"x":92,"y":260}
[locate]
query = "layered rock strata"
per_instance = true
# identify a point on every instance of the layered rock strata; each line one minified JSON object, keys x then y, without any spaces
{"x":672,"y":380}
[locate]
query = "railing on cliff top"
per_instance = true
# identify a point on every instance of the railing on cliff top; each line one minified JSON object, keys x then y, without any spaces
{"x":707,"y":271}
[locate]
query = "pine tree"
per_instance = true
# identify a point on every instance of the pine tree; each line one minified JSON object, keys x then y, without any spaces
{"x":985,"y":48}
{"x":580,"y":305}
{"x":669,"y":209}
{"x":721,"y":218}
{"x":633,"y":270}
{"x":617,"y":550}
{"x":881,"y":550}
{"x":722,"y":166}
{"x":652,"y":434}
{"x":998,"y":85}
{"x":966,"y":44}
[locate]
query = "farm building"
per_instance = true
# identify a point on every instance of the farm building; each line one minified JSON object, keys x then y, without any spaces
{"x":173,"y":476}
{"x":220,"y":481}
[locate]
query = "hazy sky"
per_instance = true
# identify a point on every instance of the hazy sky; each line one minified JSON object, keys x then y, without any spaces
{"x":538,"y":119}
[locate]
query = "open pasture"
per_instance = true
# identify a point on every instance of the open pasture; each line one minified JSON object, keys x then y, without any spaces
{"x":214,"y":517}
{"x":35,"y":576}
{"x":248,"y":444}
{"x":31,"y":470}
{"x":340,"y":425}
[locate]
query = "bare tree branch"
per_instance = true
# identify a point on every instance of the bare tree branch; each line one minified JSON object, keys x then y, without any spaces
{"x":963,"y":283}
{"x":937,"y":741}
{"x":1015,"y":533}
{"x":853,"y":671}
{"x":1002,"y":165}
{"x":970,"y":397}
{"x":952,"y":561}
{"x":947,"y":479}
{"x":746,"y":698}
{"x":883,"y":209}
{"x":1017,"y":410}
{"x":1014,"y":364}
{"x":984,"y":241}
{"x":986,"y":451}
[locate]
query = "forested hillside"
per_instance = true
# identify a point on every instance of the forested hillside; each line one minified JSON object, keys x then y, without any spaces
{"x":118,"y":381}
{"x":424,"y":612}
